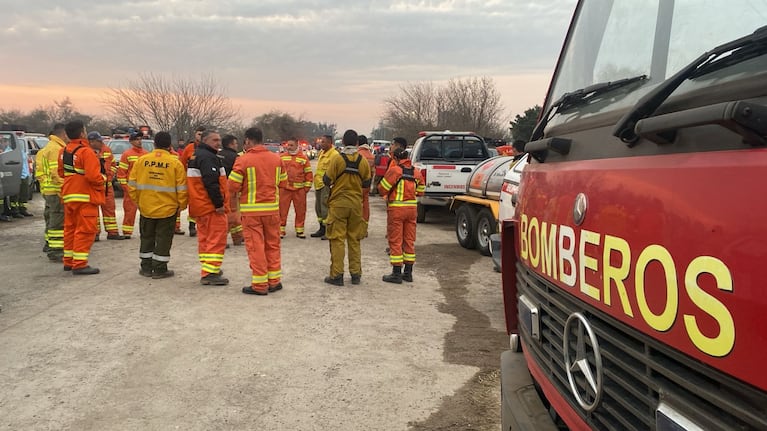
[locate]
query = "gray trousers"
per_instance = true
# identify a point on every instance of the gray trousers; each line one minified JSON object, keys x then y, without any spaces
{"x":54,"y":224}
{"x":321,"y":203}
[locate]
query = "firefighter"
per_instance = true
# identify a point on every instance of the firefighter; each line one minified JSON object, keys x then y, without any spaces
{"x":256,"y":178}
{"x":188,"y":153}
{"x":347,"y":174}
{"x":400,"y":186}
{"x":47,"y":173}
{"x":364,"y":150}
{"x":321,"y":192}
{"x":299,"y":172}
{"x":234,"y":219}
{"x":157,"y":184}
{"x":209,"y":204}
{"x":108,"y":168}
{"x":82,"y":193}
{"x":127,"y":160}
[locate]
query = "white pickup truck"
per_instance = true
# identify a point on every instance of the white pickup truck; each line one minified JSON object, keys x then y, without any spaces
{"x":447,"y":160}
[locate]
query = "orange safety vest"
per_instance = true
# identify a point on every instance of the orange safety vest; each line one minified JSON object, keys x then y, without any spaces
{"x":402,"y":184}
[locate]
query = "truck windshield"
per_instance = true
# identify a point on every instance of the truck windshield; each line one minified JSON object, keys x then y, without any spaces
{"x":604,"y":45}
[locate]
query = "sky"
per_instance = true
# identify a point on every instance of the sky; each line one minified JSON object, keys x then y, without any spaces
{"x":332,"y":61}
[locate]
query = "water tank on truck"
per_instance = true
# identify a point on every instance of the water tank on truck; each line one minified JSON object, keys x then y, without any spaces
{"x":476,"y":211}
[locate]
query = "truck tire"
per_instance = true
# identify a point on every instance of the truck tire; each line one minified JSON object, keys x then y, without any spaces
{"x":485,"y":227}
{"x":465,"y":225}
{"x":421,"y":216}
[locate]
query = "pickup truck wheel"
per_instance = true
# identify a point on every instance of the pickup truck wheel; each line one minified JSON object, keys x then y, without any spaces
{"x":465,"y":225}
{"x":421,"y":216}
{"x":485,"y":227}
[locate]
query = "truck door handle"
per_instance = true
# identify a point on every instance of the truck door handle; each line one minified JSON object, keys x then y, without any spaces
{"x":13,"y":162}
{"x":465,"y":169}
{"x":435,"y":184}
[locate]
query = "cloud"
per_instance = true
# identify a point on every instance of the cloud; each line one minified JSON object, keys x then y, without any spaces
{"x":294,"y":51}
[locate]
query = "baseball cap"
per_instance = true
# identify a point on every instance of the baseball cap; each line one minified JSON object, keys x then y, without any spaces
{"x":94,"y":136}
{"x":135,"y":135}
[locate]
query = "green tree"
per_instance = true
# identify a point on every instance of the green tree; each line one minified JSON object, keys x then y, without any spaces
{"x":522,"y":126}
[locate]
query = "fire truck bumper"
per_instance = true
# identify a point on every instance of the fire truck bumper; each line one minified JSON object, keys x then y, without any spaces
{"x":521,"y":406}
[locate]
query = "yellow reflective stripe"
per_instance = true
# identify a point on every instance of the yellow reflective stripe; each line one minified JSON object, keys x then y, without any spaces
{"x":385,"y":184}
{"x":400,"y":193}
{"x":259,"y":279}
{"x":298,"y":185}
{"x":122,"y":181}
{"x":76,"y":198}
{"x":251,"y":172}
{"x":396,"y":259}
{"x":264,"y":206}
{"x":123,"y":165}
{"x":234,"y":176}
{"x":307,"y":169}
{"x":409,"y":257}
{"x":410,"y":203}
{"x":213,"y":269}
{"x":132,"y":158}
{"x":275,"y":274}
{"x":211,"y":257}
{"x":79,"y":256}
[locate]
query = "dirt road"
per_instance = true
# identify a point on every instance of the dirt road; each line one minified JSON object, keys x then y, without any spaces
{"x":119,"y":351}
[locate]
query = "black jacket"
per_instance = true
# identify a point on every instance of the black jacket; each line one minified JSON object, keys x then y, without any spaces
{"x":207,"y":160}
{"x":229,"y":156}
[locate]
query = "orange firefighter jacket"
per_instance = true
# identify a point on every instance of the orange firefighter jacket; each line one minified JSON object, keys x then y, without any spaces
{"x":128,"y":158}
{"x":365,"y":152}
{"x":206,"y":182}
{"x":298,"y":169}
{"x":401,"y":184}
{"x":47,"y":170}
{"x":110,"y":167}
{"x":257,"y":176}
{"x":81,"y":170}
{"x":187,"y":154}
{"x":157,"y":184}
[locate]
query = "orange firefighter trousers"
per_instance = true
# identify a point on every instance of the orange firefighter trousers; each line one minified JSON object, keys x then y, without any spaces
{"x":262,"y":241}
{"x":400,"y":230}
{"x":211,"y":242}
{"x":129,"y":213}
{"x":108,"y":213}
{"x":298,"y":198}
{"x":234,"y":224}
{"x":80,"y":229}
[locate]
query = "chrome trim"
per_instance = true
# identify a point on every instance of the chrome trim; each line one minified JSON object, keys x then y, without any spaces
{"x":582,"y":361}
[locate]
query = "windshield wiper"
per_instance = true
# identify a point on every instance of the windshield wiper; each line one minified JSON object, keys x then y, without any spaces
{"x":740,"y":50}
{"x":580,"y":97}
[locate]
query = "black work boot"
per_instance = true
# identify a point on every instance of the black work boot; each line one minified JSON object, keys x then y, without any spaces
{"x":395,"y":276}
{"x":146,"y":267}
{"x":192,"y":229}
{"x":23,"y":211}
{"x":338,"y":280}
{"x":407,"y":275}
{"x":320,"y":232}
{"x":356,"y":278}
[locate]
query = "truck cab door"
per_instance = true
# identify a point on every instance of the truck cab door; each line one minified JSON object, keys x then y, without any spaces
{"x":10,"y":164}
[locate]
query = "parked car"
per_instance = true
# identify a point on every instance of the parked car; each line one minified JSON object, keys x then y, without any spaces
{"x":118,"y":147}
{"x":31,"y":147}
{"x":273,"y":147}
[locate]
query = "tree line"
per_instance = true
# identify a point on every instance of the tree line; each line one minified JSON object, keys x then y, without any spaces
{"x":180,"y":104}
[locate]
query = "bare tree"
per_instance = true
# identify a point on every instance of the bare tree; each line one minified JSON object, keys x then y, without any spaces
{"x":414,"y":109}
{"x":174,"y":104}
{"x":472,"y":104}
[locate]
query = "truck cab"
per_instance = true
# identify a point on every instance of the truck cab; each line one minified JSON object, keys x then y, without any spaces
{"x":447,"y":160}
{"x":632,"y":280}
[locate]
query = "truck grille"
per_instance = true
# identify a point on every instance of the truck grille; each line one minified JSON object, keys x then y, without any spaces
{"x":638,"y":372}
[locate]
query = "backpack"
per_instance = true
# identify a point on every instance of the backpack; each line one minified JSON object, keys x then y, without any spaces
{"x":69,"y":160}
{"x":408,"y":174}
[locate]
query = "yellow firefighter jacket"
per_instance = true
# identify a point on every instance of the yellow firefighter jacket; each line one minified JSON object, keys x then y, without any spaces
{"x":157,"y":183}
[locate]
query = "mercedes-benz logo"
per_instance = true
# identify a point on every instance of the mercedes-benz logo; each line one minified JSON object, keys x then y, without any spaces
{"x":579,"y":209}
{"x":583,"y":362}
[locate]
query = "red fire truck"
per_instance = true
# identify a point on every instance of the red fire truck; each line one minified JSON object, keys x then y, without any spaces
{"x":632,"y":267}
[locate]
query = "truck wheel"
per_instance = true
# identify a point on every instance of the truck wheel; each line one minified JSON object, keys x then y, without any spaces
{"x":485,"y":227}
{"x":465,"y":224}
{"x":421,"y":216}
